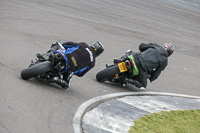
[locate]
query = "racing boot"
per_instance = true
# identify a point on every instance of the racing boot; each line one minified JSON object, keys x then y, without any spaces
{"x":48,"y":55}
{"x":118,"y":60}
{"x":68,"y":76}
{"x":61,"y":82}
{"x":124,"y":57}
{"x":136,"y":83}
{"x":44,"y":56}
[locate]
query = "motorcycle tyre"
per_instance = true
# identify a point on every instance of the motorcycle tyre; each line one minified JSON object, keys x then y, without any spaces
{"x":107,"y":73}
{"x":35,"y":70}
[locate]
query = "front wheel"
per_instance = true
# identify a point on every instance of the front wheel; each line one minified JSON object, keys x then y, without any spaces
{"x":35,"y":70}
{"x":107,"y":73}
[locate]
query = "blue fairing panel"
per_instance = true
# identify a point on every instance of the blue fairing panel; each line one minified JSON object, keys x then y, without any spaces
{"x":79,"y":72}
{"x":70,"y":49}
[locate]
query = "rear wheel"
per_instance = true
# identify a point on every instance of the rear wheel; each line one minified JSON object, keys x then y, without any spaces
{"x":35,"y":70}
{"x":107,"y":73}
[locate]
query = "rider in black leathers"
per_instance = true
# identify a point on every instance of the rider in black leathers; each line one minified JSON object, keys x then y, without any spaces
{"x":150,"y":61}
{"x":80,"y":57}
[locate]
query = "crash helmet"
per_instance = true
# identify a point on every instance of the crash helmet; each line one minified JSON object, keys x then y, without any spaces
{"x":98,"y":48}
{"x":169,"y":47}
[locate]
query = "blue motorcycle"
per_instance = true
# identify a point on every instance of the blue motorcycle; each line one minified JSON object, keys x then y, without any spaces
{"x":48,"y":70}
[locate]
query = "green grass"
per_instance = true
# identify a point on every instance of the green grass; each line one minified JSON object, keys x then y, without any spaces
{"x":180,"y":121}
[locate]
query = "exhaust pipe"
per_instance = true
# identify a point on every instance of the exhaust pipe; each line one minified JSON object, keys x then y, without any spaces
{"x":60,"y":66}
{"x":58,"y":56}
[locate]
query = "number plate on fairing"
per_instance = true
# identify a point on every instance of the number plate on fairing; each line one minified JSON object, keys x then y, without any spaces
{"x":122,"y":67}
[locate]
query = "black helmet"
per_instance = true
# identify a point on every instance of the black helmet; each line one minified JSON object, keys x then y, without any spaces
{"x":98,"y":48}
{"x":169,"y":48}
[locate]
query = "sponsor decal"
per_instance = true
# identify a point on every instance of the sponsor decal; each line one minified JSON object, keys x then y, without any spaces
{"x":74,"y":61}
{"x":91,"y":55}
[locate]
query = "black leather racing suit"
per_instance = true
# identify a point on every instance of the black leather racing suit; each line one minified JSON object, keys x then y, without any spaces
{"x":81,"y":57}
{"x":151,"y":60}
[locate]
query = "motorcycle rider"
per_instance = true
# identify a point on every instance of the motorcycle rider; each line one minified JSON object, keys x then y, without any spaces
{"x":150,"y":61}
{"x":80,"y":56}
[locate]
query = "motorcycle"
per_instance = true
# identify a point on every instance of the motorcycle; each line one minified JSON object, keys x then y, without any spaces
{"x":48,"y":70}
{"x":120,"y":70}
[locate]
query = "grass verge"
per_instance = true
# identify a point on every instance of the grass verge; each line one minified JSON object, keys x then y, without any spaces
{"x":179,"y":121}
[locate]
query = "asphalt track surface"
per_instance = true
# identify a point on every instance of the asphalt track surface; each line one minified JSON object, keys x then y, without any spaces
{"x":28,"y":27}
